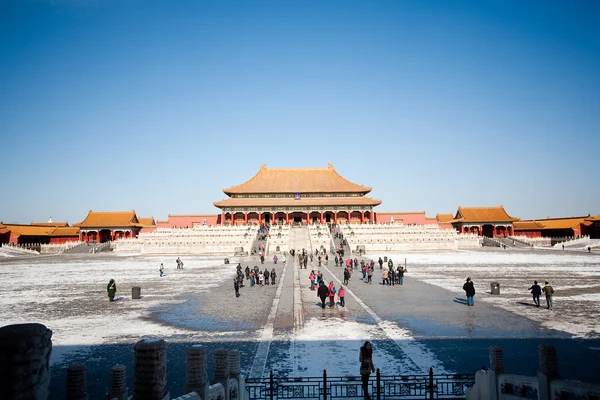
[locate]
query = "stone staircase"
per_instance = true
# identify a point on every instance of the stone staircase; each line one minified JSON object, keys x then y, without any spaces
{"x":300,"y":239}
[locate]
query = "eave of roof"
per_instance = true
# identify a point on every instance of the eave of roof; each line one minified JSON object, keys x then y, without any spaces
{"x":482,"y":214}
{"x":302,"y":202}
{"x":297,"y":180}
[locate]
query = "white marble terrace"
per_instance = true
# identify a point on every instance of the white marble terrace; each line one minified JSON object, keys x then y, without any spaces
{"x":406,"y":238}
{"x":209,"y":240}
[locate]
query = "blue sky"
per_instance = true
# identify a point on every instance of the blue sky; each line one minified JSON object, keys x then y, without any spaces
{"x":158,"y":105}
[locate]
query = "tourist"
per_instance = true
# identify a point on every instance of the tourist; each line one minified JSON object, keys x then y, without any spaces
{"x":273,"y":275}
{"x":390,"y":264}
{"x":161,"y":270}
{"x":322,"y":293}
{"x":275,"y":259}
{"x":384,"y":276}
{"x":312,"y":279}
{"x":111,"y":288}
{"x":392,"y":275}
{"x":370,"y":274}
{"x":284,"y":259}
{"x":319,"y":261}
{"x":536,"y":291}
{"x":364,"y":272}
{"x":341,"y":295}
{"x":251,"y":275}
{"x":236,"y":286}
{"x":401,"y":271}
{"x":261,"y":279}
{"x":346,"y":276}
{"x":247,"y":272}
{"x":469,"y":289}
{"x":336,"y":260}
{"x":380,"y":263}
{"x":332,"y":291}
{"x":266,"y":274}
{"x":548,"y":291}
{"x":262,"y":258}
{"x":366,"y":367}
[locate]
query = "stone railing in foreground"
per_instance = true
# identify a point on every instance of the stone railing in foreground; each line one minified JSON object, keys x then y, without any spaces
{"x":538,"y":241}
{"x":57,"y":248}
{"x":496,"y":384}
{"x":201,"y":241}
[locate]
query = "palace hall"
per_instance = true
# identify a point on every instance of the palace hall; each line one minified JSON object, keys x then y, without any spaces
{"x":303,"y":195}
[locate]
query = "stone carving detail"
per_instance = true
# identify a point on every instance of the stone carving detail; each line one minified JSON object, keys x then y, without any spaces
{"x":150,"y":370}
{"x":25,"y":361}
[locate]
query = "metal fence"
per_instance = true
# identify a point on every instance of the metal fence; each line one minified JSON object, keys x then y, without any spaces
{"x":380,"y":387}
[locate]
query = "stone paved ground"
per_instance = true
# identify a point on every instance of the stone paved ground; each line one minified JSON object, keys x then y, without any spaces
{"x":436,"y":319}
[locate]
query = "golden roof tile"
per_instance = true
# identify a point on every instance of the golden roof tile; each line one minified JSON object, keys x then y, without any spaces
{"x":482,"y":214}
{"x":65,"y":231}
{"x":443,"y":218}
{"x":28,"y":230}
{"x":147,"y":221}
{"x":50,"y":223}
{"x":297,"y":180}
{"x":97,"y":219}
{"x":562,"y":223}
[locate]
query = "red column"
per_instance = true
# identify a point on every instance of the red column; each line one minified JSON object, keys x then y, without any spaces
{"x":321,"y":218}
{"x":335,"y":217}
{"x":372,"y":217}
{"x":222,"y":218}
{"x":246,"y":218}
{"x":307,"y":218}
{"x":287,"y":218}
{"x":259,"y":218}
{"x":362,"y":217}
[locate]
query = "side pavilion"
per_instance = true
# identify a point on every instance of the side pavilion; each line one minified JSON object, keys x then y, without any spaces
{"x":303,"y":195}
{"x":99,"y":227}
{"x":484,"y":221}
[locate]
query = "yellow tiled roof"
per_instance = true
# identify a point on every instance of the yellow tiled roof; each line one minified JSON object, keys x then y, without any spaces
{"x":297,"y":180}
{"x":562,"y":223}
{"x":301,"y":202}
{"x":147,"y":221}
{"x":65,"y":231}
{"x":593,"y":219}
{"x":482,"y":214}
{"x":50,"y":223}
{"x":29,"y":230}
{"x":96,"y":219}
{"x":444,"y":217}
{"x":527,"y":225}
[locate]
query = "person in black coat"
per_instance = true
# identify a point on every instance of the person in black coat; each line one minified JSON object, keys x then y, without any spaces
{"x":469,"y":289}
{"x":322,"y":293}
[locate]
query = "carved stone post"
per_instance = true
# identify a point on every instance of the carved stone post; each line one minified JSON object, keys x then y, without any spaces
{"x":118,"y":383}
{"x":150,"y":370}
{"x":221,"y":369}
{"x":25,"y":361}
{"x":195,"y":373}
{"x":496,"y":368}
{"x":497,"y":359}
{"x":76,"y":381}
{"x":234,"y":383}
{"x":548,"y":369}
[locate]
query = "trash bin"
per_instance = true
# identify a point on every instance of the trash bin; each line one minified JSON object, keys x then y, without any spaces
{"x":227,"y":261}
{"x":136,"y":292}
{"x":385,"y":259}
{"x":495,"y":287}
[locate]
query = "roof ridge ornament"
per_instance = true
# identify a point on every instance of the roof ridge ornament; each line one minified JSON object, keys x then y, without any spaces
{"x":263,"y":166}
{"x":330,"y":165}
